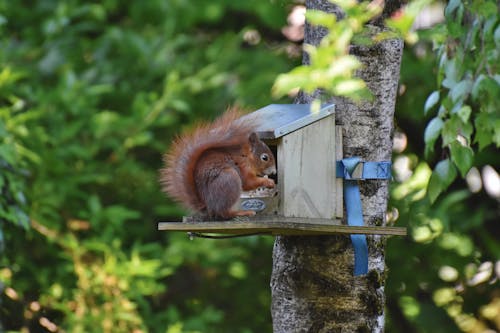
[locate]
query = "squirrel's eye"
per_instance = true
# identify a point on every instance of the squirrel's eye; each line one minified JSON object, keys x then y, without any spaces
{"x":264,"y":157}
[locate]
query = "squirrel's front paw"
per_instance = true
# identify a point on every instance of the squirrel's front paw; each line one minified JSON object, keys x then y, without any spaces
{"x":269,"y":183}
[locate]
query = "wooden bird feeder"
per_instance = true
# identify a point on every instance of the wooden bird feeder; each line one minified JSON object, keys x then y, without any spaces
{"x":308,"y":198}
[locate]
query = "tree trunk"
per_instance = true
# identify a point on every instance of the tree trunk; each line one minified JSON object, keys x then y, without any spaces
{"x":312,"y":283}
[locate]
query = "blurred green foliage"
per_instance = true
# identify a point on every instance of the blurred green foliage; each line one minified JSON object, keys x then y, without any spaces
{"x":447,"y":278}
{"x":468,"y":80}
{"x":91,"y":94}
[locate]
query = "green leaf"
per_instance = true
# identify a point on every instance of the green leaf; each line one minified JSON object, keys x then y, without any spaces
{"x":284,"y":83}
{"x":403,"y":21}
{"x":496,"y":132}
{"x":476,"y":87}
{"x":350,"y":87}
{"x":450,"y":8}
{"x":460,"y":90}
{"x":343,"y":66}
{"x":442,"y":176}
{"x":431,"y":101}
{"x":315,"y":106}
{"x":484,"y":129}
{"x":454,"y":126}
{"x":487,"y":130}
{"x":464,"y":113}
{"x":484,"y":8}
{"x":433,"y":130}
{"x":454,"y":22}
{"x":446,"y":172}
{"x":317,"y":17}
{"x":452,"y":72}
{"x":485,"y":87}
{"x":496,"y":37}
{"x":434,"y":188}
{"x":462,"y":156}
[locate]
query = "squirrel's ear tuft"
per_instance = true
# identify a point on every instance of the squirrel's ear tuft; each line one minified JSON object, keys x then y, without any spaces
{"x":253,"y":138}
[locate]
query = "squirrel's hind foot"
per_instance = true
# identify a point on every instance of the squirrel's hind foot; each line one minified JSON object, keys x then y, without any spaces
{"x":239,"y":215}
{"x":244,"y":213}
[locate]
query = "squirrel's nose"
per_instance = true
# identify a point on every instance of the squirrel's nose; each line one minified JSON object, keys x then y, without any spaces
{"x":271,"y":170}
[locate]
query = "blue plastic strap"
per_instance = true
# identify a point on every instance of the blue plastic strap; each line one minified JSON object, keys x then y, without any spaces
{"x":352,"y":199}
{"x":371,"y":170}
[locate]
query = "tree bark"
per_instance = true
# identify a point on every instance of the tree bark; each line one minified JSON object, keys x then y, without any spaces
{"x":312,"y":283}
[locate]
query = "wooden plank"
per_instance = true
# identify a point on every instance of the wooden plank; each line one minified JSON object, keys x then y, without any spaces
{"x":285,"y":226}
{"x":306,"y":173}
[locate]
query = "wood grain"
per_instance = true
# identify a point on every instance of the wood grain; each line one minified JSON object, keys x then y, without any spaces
{"x":280,"y":226}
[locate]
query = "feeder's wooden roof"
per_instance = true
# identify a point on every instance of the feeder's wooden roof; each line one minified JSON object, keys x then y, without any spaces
{"x":277,"y":120}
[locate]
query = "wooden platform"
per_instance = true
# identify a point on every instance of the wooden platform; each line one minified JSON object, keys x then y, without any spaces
{"x":278,"y":226}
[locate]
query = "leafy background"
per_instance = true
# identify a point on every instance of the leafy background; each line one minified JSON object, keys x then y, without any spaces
{"x":91,"y":94}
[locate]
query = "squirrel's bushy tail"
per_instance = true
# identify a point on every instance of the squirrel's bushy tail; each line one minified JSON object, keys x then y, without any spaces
{"x":177,"y":177}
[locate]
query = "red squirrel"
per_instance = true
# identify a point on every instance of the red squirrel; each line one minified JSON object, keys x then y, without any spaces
{"x":206,"y":169}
